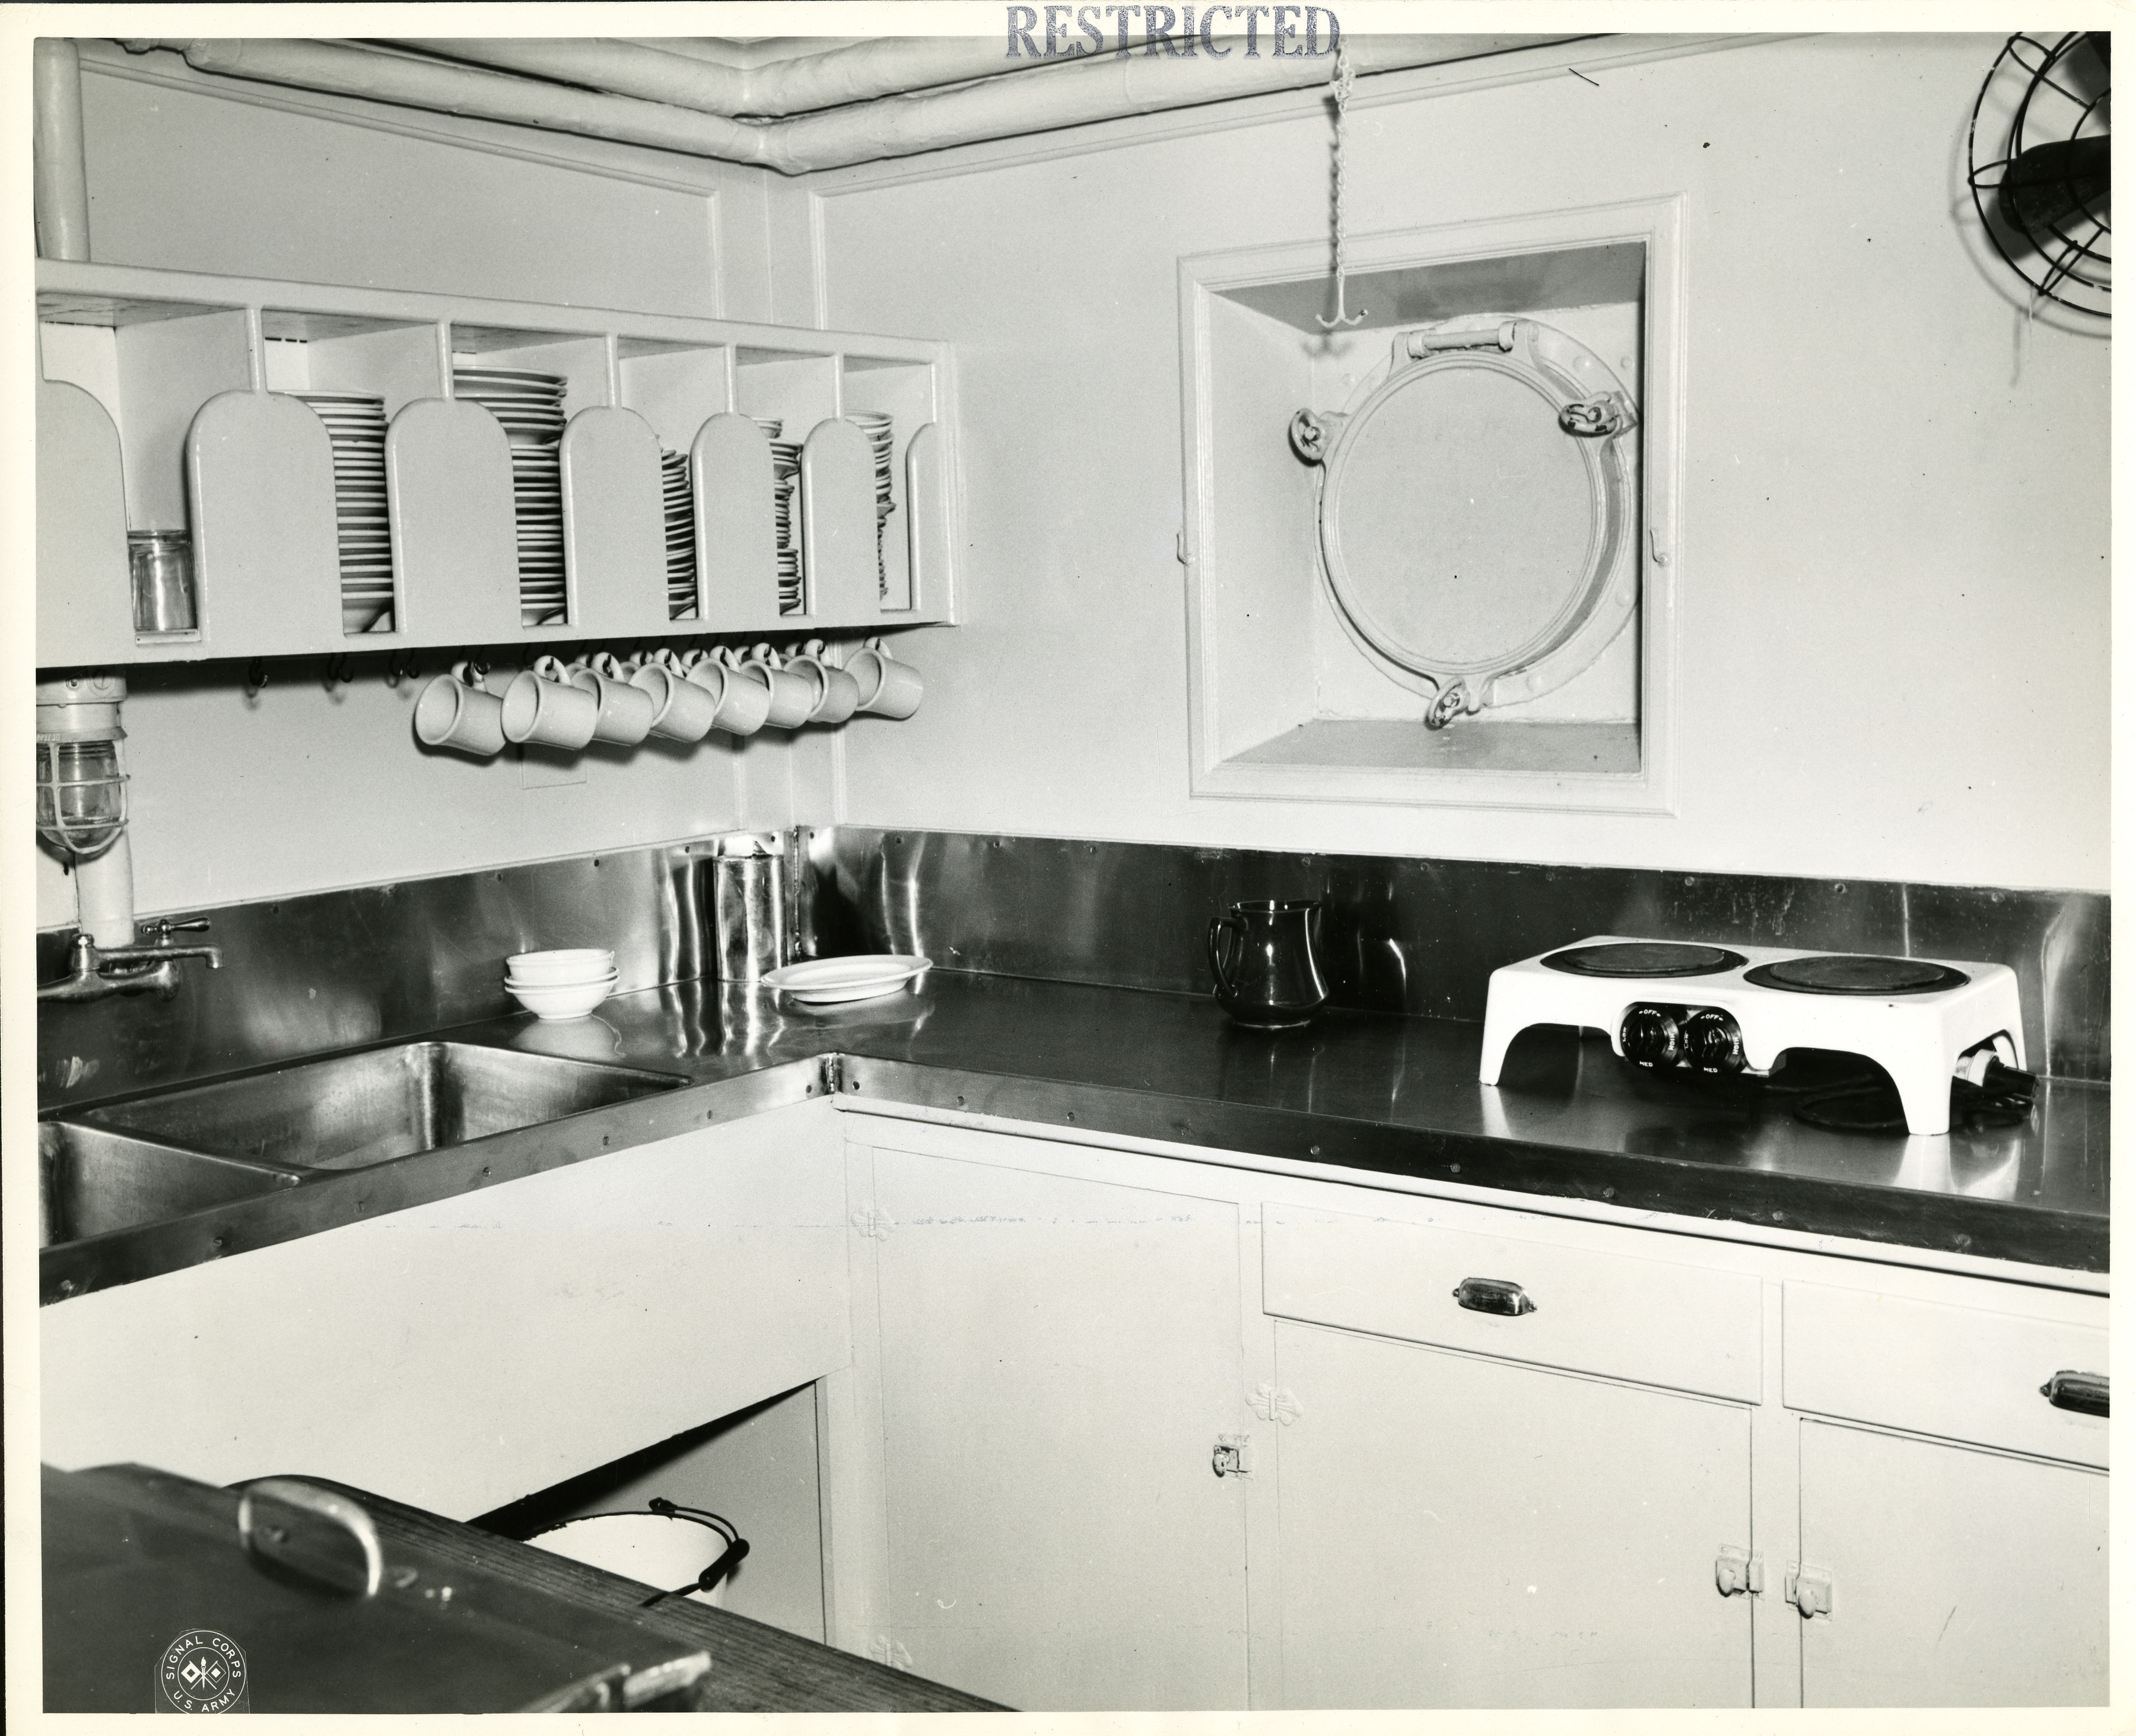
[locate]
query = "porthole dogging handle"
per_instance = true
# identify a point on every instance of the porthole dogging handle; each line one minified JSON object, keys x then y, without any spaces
{"x":1597,"y":419}
{"x":1314,"y":433}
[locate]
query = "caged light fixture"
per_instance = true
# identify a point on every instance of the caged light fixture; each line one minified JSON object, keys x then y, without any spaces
{"x":81,"y":797}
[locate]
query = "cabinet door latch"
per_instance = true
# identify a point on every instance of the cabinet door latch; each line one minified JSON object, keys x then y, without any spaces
{"x":1229,"y":1458}
{"x":1809,"y":1589}
{"x":1738,"y":1570}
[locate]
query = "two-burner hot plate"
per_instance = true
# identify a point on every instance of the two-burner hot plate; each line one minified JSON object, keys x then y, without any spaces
{"x":1829,"y":973}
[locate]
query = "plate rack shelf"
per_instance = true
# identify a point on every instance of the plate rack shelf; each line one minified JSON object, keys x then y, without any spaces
{"x":166,"y":404}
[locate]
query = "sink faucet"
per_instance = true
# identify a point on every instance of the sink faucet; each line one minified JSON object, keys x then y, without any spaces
{"x":100,"y":971}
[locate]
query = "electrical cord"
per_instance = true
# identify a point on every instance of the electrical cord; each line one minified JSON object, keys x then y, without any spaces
{"x":2003,"y":1098}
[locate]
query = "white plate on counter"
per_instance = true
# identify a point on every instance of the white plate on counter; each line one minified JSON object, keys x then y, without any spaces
{"x":831,"y":981}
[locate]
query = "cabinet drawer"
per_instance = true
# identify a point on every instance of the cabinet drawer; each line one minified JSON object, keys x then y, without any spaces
{"x":1965,"y":1374}
{"x":1684,"y":1326}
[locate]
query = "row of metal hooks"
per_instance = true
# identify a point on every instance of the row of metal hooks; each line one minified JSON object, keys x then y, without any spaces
{"x":401,"y":665}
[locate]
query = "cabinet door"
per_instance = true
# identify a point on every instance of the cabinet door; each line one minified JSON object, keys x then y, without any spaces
{"x":1959,"y":1576}
{"x":1058,"y":1356}
{"x":1459,"y":1532}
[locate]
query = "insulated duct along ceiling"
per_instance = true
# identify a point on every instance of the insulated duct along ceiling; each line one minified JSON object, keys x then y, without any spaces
{"x":854,"y":103}
{"x":833,"y":79}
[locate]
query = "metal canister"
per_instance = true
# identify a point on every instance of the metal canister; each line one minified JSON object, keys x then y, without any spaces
{"x":746,"y":899}
{"x":162,"y":562}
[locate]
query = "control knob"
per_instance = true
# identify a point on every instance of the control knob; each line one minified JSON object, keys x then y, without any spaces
{"x":1650,"y":1036}
{"x":1711,"y":1041}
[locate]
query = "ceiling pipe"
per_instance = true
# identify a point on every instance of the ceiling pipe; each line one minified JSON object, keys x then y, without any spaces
{"x":1071,"y":93}
{"x":344,"y":71}
{"x":62,"y":178}
{"x":855,"y":74}
{"x":1064,"y":93}
{"x":737,"y":51}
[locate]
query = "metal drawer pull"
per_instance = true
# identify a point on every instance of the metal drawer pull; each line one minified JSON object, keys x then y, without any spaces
{"x":2071,"y":1390}
{"x":1493,"y":1296}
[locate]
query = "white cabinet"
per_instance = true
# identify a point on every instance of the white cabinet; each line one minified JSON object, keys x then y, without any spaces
{"x":1486,"y":1456}
{"x":1458,"y":1532}
{"x":459,"y":1355}
{"x":1938,"y":1567}
{"x":1498,"y":1523}
{"x":1954,"y":1577}
{"x":1058,"y":1355}
{"x":1492,"y":1457}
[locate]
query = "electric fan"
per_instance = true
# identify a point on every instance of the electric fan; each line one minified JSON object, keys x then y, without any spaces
{"x":2038,"y":160}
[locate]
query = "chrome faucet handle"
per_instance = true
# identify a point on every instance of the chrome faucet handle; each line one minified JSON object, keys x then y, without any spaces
{"x":163,"y":928}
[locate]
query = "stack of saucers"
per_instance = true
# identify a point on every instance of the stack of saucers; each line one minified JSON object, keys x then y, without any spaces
{"x":771,"y":425}
{"x":876,"y":426}
{"x":567,"y":983}
{"x":682,"y":518}
{"x":531,"y":406}
{"x":356,"y":424}
{"x":785,"y":473}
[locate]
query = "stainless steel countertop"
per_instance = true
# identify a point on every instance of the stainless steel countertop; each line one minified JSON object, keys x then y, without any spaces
{"x":1358,"y":1091}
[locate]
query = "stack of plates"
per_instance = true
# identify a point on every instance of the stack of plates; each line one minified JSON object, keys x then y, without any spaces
{"x":832,"y":981}
{"x":355,"y":424}
{"x":681,"y":535}
{"x":876,"y":428}
{"x":531,"y":406}
{"x":785,"y":473}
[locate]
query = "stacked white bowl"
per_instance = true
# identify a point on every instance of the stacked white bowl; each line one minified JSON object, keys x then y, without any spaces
{"x":567,"y":983}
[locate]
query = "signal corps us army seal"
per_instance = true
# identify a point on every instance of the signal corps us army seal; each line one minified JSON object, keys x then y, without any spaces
{"x":201,"y":1671}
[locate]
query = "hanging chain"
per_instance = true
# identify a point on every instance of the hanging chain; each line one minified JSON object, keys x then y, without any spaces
{"x":1344,"y":80}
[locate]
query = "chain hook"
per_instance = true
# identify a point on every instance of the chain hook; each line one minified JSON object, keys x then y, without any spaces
{"x":1344,"y":82}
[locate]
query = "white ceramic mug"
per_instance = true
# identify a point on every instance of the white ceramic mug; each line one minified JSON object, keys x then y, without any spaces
{"x":457,"y":711}
{"x":682,"y":710}
{"x":887,"y":687}
{"x":545,"y":706}
{"x":794,"y":695}
{"x":740,"y":703}
{"x":838,"y":694}
{"x":625,"y":714}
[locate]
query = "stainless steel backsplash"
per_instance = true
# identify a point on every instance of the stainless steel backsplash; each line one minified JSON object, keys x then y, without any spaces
{"x":330,"y":970}
{"x":1418,"y":936}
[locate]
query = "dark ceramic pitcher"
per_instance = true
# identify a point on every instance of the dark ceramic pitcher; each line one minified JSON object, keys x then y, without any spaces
{"x":1261,"y":956}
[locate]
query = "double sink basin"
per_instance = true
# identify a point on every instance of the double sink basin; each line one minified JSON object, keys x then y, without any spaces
{"x":151,"y":1159}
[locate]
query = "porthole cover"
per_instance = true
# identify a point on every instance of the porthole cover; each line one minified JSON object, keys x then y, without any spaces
{"x":1478,"y":511}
